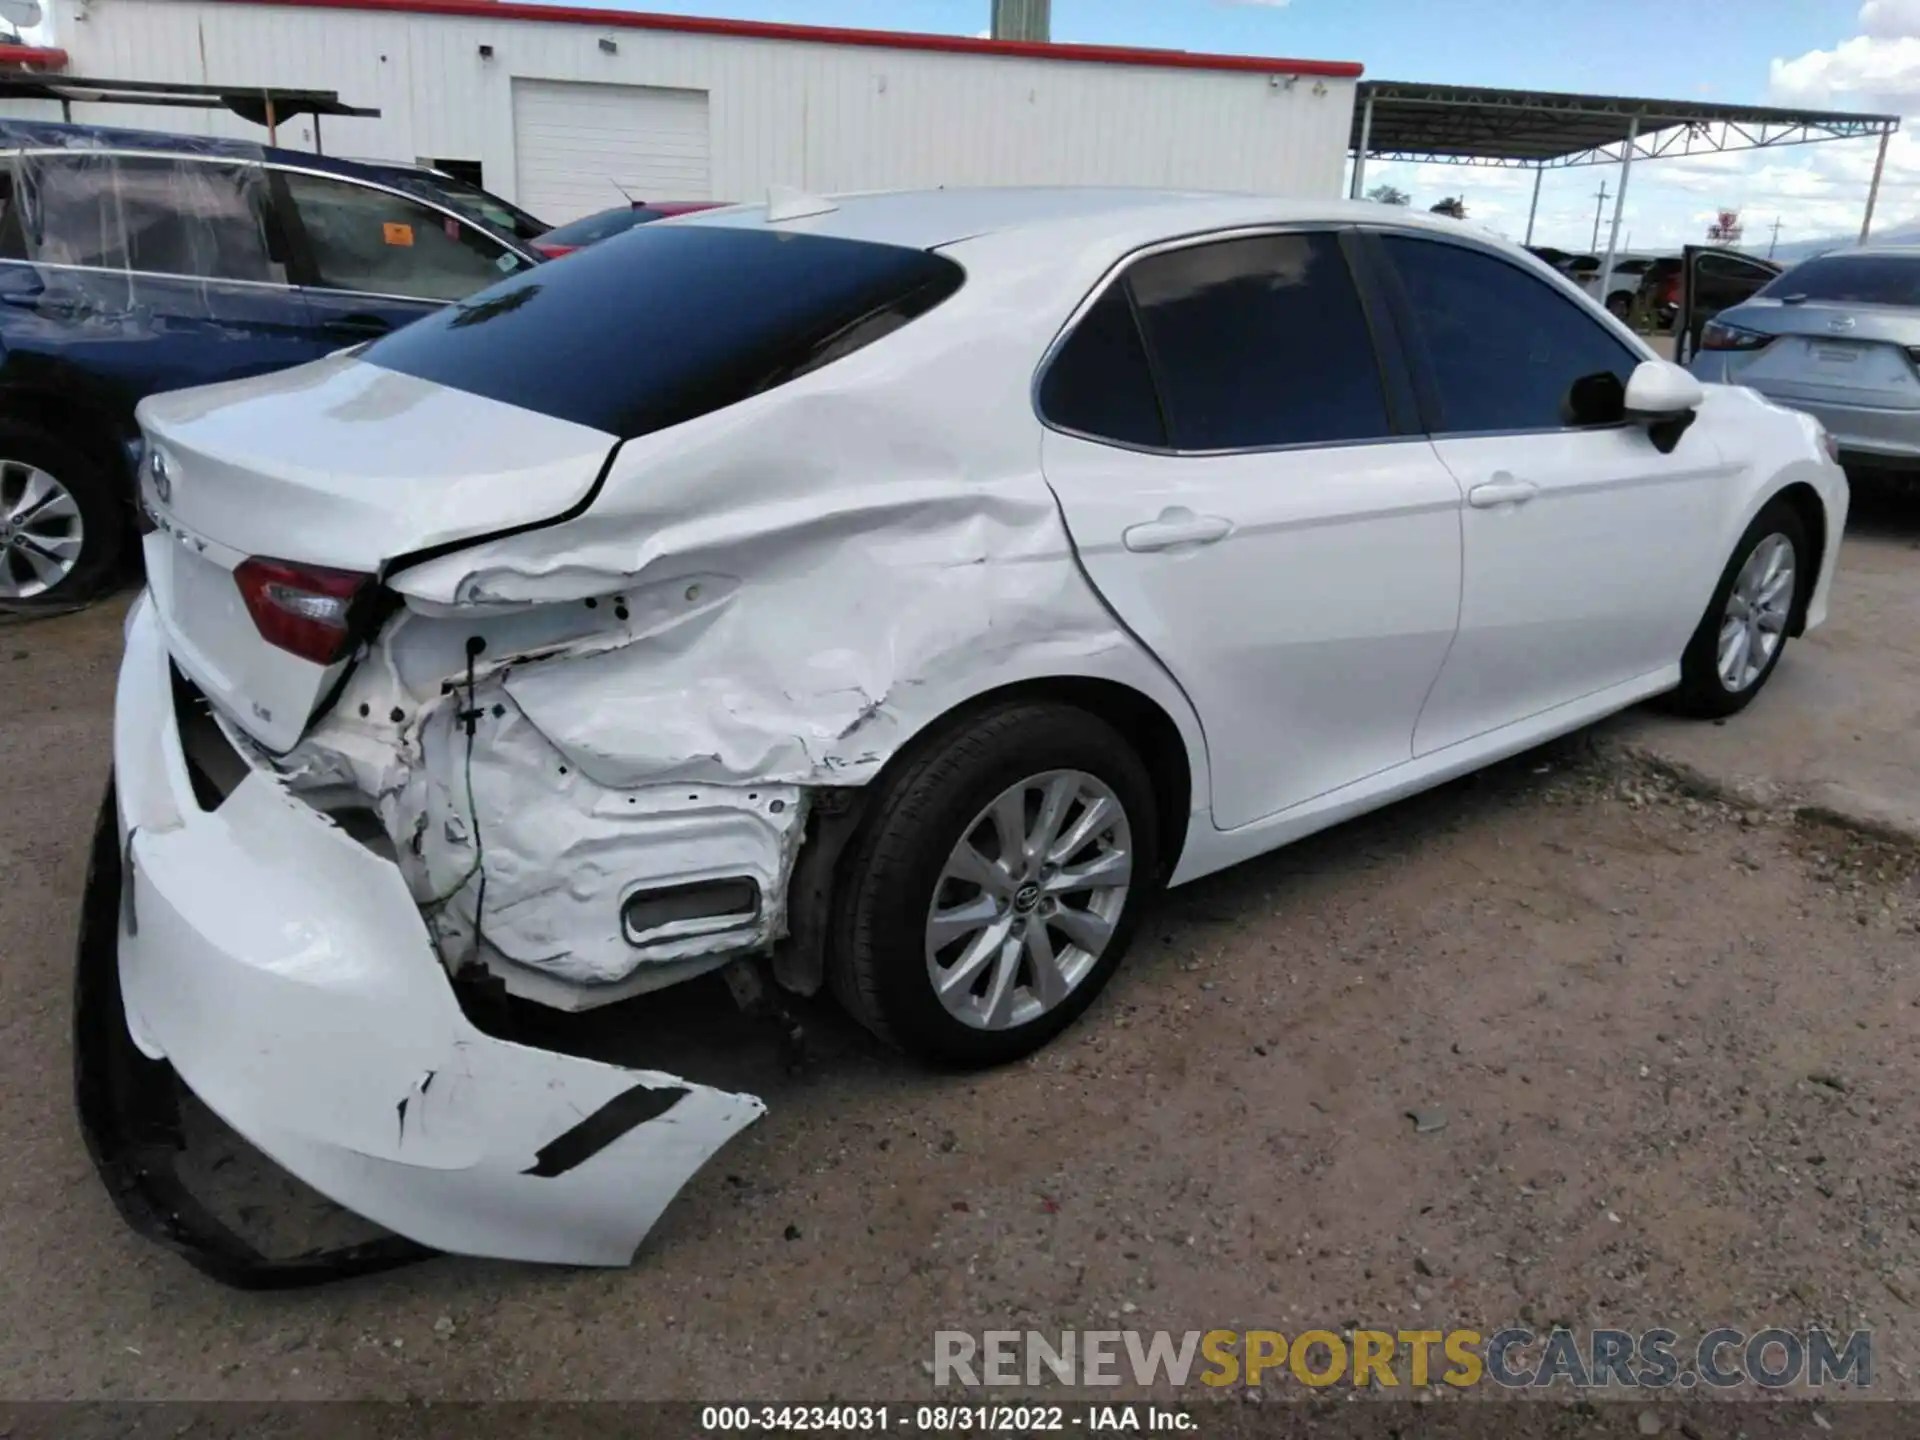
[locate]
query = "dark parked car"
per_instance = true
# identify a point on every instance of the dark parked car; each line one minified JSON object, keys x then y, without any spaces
{"x":570,"y":237}
{"x":133,"y":262}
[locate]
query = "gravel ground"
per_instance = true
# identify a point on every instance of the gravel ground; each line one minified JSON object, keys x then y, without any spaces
{"x":1671,"y":1042}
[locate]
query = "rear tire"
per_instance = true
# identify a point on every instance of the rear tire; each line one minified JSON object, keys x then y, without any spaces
{"x":1743,"y":634}
{"x":944,"y":923}
{"x":64,"y":521}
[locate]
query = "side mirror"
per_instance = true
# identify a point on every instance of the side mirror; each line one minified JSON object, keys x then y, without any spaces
{"x":1664,"y":398}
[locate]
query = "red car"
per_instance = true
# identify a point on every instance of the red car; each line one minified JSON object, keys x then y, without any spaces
{"x":565,"y":239}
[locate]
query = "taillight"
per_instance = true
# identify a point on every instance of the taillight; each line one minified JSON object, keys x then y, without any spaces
{"x":302,"y":609}
{"x":554,"y":252}
{"x":1717,"y":335}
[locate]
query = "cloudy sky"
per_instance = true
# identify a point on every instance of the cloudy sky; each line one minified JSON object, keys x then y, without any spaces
{"x":1838,"y":54}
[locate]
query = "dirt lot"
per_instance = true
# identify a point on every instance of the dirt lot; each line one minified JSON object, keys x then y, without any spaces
{"x":1671,"y":1040}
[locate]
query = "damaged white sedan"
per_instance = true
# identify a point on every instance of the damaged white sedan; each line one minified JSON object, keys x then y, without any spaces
{"x":890,"y":593}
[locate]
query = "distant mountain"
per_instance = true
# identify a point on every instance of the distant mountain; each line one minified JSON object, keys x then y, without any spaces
{"x":1796,"y":250}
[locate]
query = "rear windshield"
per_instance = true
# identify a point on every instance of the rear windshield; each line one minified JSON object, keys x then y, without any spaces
{"x":595,"y":227}
{"x":668,"y":322}
{"x":1852,"y":279}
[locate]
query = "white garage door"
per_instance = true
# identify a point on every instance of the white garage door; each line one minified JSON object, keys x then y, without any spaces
{"x":574,"y":142}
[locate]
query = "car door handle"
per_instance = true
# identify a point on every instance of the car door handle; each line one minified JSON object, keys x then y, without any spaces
{"x":1177,"y":525}
{"x":41,"y":301}
{"x":1502,"y":490}
{"x":364,"y":327}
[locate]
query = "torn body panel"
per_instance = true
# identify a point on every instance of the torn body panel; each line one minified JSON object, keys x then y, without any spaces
{"x":758,"y":604}
{"x":284,"y":971}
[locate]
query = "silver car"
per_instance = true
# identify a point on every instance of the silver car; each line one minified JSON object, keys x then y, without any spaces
{"x":1837,"y":337}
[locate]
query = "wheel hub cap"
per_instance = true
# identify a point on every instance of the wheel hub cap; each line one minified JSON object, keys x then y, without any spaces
{"x":40,"y":531}
{"x":1029,"y":899}
{"x":1758,"y":607}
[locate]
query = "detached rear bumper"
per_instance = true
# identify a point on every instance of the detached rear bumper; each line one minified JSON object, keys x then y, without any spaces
{"x":284,"y":973}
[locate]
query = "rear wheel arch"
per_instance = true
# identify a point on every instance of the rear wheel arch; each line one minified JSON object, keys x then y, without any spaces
{"x":79,"y":421}
{"x":1141,"y":721}
{"x":840,"y":814}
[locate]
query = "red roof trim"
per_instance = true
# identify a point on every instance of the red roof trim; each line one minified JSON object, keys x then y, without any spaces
{"x":831,"y":35}
{"x":40,"y":57}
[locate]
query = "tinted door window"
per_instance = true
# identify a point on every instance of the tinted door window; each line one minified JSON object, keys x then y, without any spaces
{"x":1505,"y":351}
{"x":1259,"y":342}
{"x":1098,"y":382}
{"x":379,"y":243}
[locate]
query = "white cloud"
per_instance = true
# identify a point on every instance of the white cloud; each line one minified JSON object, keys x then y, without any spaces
{"x":1890,"y":19}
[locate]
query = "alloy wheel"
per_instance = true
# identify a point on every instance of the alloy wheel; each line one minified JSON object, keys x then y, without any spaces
{"x":41,"y":533}
{"x":1758,"y":606}
{"x":1029,"y":899}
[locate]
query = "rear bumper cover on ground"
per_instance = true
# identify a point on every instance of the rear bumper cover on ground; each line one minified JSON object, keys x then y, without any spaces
{"x":283,"y":972}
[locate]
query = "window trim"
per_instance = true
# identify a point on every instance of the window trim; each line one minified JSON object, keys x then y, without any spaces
{"x":300,"y":263}
{"x":272,"y":231}
{"x":1396,"y":390}
{"x":1431,"y":408}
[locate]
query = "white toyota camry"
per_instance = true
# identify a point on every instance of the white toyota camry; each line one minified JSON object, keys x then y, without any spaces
{"x":891,"y":594}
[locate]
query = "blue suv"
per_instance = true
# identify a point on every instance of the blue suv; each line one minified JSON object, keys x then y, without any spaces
{"x":134,"y":262}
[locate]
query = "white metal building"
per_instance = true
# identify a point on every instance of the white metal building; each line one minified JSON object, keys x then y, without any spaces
{"x":558,"y":105}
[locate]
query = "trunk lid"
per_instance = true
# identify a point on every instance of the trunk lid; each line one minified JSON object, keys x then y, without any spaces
{"x":1832,"y":352}
{"x":340,"y":464}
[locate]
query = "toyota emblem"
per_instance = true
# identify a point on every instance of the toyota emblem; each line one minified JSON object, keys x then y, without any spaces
{"x":162,"y":478}
{"x":1841,"y":322}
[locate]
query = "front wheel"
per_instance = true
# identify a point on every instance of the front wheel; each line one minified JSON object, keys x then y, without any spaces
{"x":995,"y":888}
{"x":1741,"y":637}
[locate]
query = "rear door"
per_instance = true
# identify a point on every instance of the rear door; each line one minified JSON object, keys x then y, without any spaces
{"x":1232,"y":444}
{"x":371,"y":259}
{"x":150,"y":272}
{"x":1584,"y":545}
{"x":1712,"y":280}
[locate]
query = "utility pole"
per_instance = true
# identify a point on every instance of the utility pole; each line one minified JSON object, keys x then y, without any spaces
{"x":1776,"y":237}
{"x":1599,"y":204}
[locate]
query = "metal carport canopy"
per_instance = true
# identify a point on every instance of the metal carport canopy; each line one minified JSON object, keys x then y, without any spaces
{"x":1547,"y":130}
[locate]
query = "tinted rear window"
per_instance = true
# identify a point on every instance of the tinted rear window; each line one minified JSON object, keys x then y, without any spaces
{"x":1852,"y":279}
{"x":665,"y":323}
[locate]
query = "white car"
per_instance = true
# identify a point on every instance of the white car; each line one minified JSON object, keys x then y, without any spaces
{"x":904,"y":589}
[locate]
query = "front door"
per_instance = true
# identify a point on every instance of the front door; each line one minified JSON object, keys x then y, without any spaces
{"x":1583,"y":543}
{"x":1248,"y":493}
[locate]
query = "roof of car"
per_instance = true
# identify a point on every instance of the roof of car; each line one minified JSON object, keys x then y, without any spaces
{"x":55,"y":135}
{"x":926,"y":219}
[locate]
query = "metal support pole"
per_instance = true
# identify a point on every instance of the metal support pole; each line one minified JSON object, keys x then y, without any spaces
{"x":1360,"y":156}
{"x":318,"y":148}
{"x":1873,"y":190}
{"x":1619,"y":203}
{"x":273,"y":133}
{"x":1534,"y":208}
